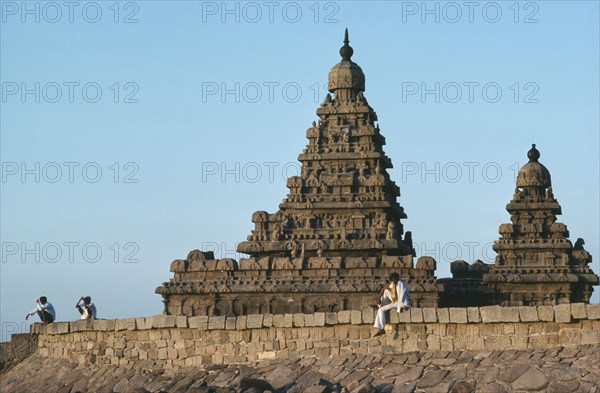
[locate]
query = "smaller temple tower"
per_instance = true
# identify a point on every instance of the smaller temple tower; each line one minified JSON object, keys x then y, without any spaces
{"x":536,"y":263}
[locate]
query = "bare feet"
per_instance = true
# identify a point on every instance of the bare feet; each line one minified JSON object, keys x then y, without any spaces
{"x":380,"y":332}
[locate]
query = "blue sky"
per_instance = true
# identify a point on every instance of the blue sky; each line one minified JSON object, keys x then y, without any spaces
{"x":134,"y":132}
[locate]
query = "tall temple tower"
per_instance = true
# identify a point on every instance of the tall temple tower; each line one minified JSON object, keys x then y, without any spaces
{"x":343,"y":203}
{"x":536,"y":262}
{"x":336,"y":237}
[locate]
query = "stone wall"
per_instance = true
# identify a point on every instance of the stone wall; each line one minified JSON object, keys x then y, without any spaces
{"x":18,"y":348}
{"x":178,"y":341}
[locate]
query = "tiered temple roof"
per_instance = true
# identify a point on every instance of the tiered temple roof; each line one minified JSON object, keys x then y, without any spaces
{"x":536,"y":262}
{"x":336,"y":237}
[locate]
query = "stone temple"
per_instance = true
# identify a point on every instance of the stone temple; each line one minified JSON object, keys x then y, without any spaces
{"x":338,"y":234}
{"x":336,"y":237}
{"x":536,"y":263}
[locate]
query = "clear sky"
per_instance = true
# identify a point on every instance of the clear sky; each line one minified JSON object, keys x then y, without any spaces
{"x":134,"y":132}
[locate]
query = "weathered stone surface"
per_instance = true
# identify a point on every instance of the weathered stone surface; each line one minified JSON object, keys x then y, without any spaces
{"x":473,"y":315}
{"x":528,"y":314}
{"x":593,"y":311}
{"x":412,"y":374}
{"x":254,"y":321}
{"x":562,"y":313}
{"x":429,"y":315}
{"x":431,"y":378}
{"x":443,"y":315}
{"x":491,"y":314}
{"x":458,"y":315}
{"x":463,"y":386}
{"x":546,"y":313}
{"x":554,"y":370}
{"x":533,"y":380}
{"x":514,"y":371}
{"x":260,"y":384}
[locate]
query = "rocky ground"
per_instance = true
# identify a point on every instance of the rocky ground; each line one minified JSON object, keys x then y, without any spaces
{"x":558,"y":370}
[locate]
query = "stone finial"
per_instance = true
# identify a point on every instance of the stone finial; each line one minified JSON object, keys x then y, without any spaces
{"x":346,"y":51}
{"x":533,"y":154}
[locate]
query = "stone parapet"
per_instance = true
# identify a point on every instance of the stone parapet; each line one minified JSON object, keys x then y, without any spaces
{"x":178,"y":341}
{"x":564,"y":313}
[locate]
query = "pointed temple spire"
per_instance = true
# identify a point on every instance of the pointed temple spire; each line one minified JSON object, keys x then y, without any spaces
{"x":346,"y":51}
{"x":346,"y":79}
{"x":536,"y":262}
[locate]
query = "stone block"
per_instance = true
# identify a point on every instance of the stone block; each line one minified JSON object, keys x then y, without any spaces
{"x":403,"y":317}
{"x":82,"y":325}
{"x":102,"y":325}
{"x":319,"y":319}
{"x":344,"y":316}
{"x":241,"y":322}
{"x":528,"y":314}
{"x":140,"y":324}
{"x":416,"y":315}
{"x":355,"y":317}
{"x":578,"y":311}
{"x":52,"y":330}
{"x":299,"y":320}
{"x":267,"y":319}
{"x":181,"y":321}
{"x":125,"y":324}
{"x":473,"y":315}
{"x":216,"y":323}
{"x":278,"y":320}
{"x":394,"y":317}
{"x":288,"y":320}
{"x":545,"y":313}
{"x":429,"y":315}
{"x":64,"y":327}
{"x":254,"y":321}
{"x":199,"y":322}
{"x":562,"y":313}
{"x":443,"y":315}
{"x":492,"y":314}
{"x":458,"y":315}
{"x":510,"y":314}
{"x":368,"y":315}
{"x":331,"y":318}
{"x":230,"y":323}
{"x":309,"y":320}
{"x":157,"y":321}
{"x":593,"y":311}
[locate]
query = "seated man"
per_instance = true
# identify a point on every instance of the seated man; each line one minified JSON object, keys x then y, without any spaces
{"x":393,"y":296}
{"x":44,"y":310}
{"x":88,"y":310}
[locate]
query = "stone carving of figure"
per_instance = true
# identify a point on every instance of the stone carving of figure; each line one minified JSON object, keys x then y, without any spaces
{"x":275,"y":233}
{"x":391,"y":231}
{"x":293,"y":248}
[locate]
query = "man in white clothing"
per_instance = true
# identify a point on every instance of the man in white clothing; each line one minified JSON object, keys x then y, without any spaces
{"x":88,"y":309}
{"x":393,"y":296}
{"x":44,"y":309}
